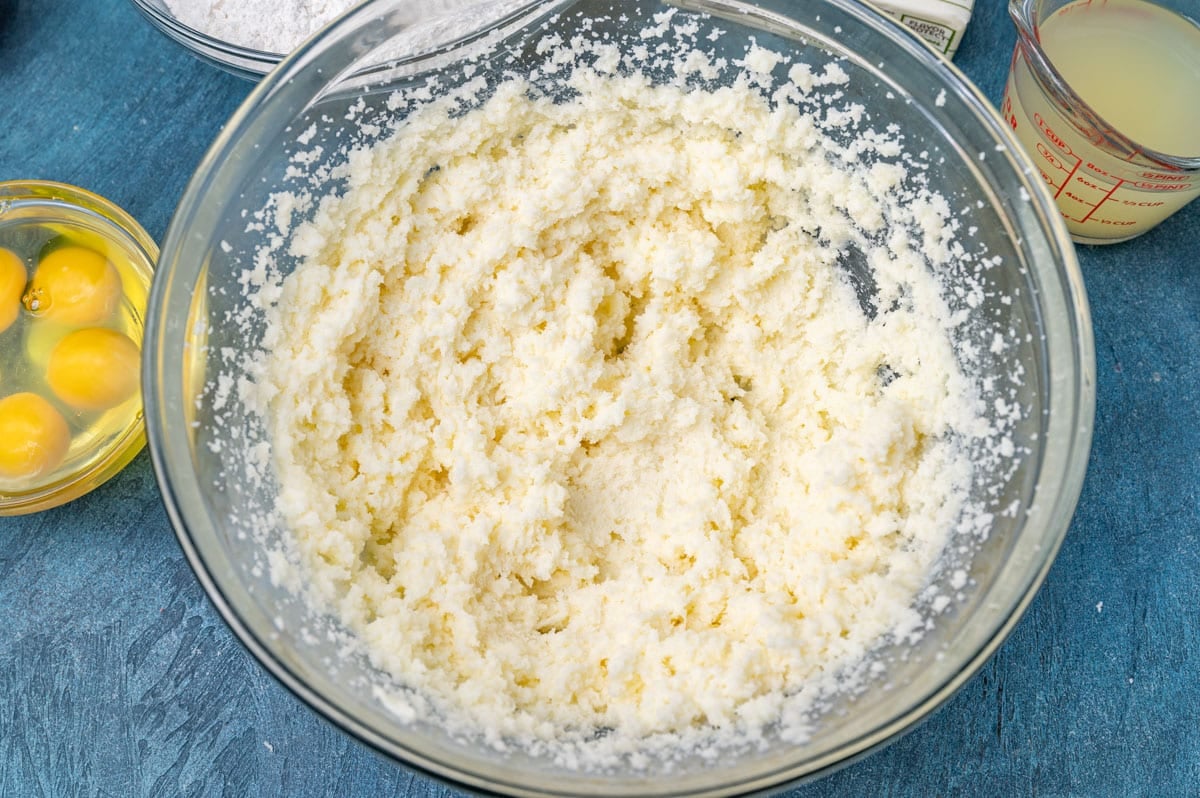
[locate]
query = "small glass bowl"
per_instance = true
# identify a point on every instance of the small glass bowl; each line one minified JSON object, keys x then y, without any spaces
{"x":245,"y":62}
{"x":101,"y":441}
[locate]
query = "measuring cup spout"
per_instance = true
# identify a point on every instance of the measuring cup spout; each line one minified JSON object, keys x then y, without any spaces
{"x":1022,"y":13}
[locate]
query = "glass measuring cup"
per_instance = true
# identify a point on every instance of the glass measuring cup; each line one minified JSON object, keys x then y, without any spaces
{"x":1108,"y":186}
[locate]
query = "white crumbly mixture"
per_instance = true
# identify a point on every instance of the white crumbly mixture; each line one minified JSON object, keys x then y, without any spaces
{"x":579,"y":425}
{"x":272,"y":26}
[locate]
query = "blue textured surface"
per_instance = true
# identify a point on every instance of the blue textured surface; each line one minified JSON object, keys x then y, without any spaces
{"x":117,"y":678}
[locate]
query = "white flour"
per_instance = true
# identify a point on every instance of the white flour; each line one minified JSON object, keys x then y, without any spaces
{"x":279,"y":26}
{"x":272,"y":26}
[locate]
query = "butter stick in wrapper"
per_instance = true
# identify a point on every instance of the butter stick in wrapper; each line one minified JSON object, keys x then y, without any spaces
{"x":939,"y":22}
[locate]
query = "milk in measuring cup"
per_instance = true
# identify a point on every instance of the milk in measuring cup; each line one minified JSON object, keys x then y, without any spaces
{"x":1137,"y":67}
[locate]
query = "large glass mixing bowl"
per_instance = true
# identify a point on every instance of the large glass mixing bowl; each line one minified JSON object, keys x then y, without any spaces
{"x":333,"y":91}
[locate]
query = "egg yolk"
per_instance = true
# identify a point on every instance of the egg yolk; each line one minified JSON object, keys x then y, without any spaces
{"x":33,"y":436}
{"x":93,"y":369}
{"x":74,"y":285}
{"x":12,"y":283}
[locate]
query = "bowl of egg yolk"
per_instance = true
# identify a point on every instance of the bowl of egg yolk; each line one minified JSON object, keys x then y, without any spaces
{"x":74,"y":276}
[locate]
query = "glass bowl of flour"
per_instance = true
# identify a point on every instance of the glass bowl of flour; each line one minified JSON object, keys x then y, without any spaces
{"x":619,"y":398}
{"x":249,"y":37}
{"x":213,"y":34}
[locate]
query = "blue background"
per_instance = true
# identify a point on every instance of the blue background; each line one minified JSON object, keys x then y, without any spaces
{"x":117,"y":678}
